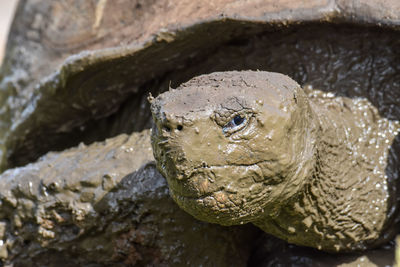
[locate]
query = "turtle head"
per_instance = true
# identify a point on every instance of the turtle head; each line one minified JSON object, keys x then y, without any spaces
{"x":233,"y":145}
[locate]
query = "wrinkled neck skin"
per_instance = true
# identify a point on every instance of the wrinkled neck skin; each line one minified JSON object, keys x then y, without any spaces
{"x":303,"y":165}
{"x":343,"y":204}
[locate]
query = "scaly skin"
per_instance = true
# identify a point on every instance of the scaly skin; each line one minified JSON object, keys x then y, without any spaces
{"x":239,"y":147}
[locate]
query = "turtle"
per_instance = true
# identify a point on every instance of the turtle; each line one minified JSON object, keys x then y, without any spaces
{"x":251,"y":146}
{"x":81,"y":71}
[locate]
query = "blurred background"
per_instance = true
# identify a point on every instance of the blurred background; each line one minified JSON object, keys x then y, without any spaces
{"x":7,"y":8}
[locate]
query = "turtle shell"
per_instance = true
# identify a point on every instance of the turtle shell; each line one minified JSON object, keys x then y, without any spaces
{"x":80,"y":71}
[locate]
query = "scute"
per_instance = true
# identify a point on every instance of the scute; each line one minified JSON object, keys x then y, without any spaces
{"x":62,"y":72}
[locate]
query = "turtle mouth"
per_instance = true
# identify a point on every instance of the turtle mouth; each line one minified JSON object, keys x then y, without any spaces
{"x":194,"y":183}
{"x":205,"y":180}
{"x":219,"y":205}
{"x":227,"y":195}
{"x":218,"y":199}
{"x":183,"y":196}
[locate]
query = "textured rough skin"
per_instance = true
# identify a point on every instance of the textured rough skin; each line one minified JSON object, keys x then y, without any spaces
{"x":106,"y":205}
{"x":57,"y":81}
{"x":312,"y":170}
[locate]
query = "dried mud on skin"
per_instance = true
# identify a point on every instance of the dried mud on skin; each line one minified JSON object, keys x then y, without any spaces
{"x":53,"y":96}
{"x":106,"y":204}
{"x":309,"y":167}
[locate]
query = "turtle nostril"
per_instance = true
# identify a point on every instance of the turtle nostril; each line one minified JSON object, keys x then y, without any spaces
{"x":180,"y":127}
{"x":166,"y":128}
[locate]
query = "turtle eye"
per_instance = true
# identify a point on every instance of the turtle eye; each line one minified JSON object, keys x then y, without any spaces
{"x":234,"y":125}
{"x":237,"y":120}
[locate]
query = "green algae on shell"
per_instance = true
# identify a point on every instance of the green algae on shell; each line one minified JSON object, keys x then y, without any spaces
{"x":310,"y":169}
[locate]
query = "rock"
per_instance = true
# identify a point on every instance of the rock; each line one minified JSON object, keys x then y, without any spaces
{"x":273,"y":252}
